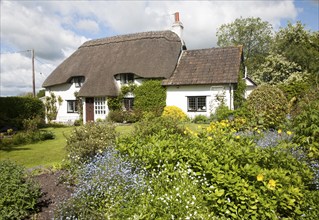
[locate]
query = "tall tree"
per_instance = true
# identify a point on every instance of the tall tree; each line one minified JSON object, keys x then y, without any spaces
{"x":253,"y":33}
{"x":299,"y":46}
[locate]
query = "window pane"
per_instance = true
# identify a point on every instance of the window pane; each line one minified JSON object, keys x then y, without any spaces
{"x":201,"y":103}
{"x":191,"y":104}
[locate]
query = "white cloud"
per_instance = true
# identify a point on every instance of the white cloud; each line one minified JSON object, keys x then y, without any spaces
{"x":55,"y":29}
{"x":88,"y":25}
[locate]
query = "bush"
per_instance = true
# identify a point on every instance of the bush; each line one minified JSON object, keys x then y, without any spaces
{"x":174,"y":113}
{"x":222,"y":112}
{"x":88,"y":140}
{"x":18,"y":195}
{"x":16,"y":109}
{"x":306,"y":123}
{"x":234,"y":178}
{"x":200,"y":119}
{"x":268,"y":106}
{"x":21,"y":138}
{"x":116,"y":116}
{"x":150,"y":97}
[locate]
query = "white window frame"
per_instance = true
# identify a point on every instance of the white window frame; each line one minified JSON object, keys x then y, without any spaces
{"x":99,"y":105}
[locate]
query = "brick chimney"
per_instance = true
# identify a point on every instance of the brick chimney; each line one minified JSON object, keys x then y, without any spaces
{"x":177,"y":26}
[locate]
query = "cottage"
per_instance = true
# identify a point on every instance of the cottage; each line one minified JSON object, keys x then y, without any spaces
{"x":98,"y":69}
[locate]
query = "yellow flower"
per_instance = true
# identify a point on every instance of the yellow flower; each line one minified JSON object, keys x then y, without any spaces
{"x":185,"y":132}
{"x":209,"y":138}
{"x":279,"y":131}
{"x":260,"y":177}
{"x":272,"y":183}
{"x":237,"y":137}
{"x":258,"y":131}
{"x":209,"y":129}
{"x":289,"y":133}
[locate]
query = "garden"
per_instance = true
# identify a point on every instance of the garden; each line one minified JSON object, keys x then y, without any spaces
{"x":259,"y":161}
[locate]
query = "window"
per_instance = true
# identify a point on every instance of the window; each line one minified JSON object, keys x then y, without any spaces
{"x":127,"y":78}
{"x":196,"y":104}
{"x":99,"y":106}
{"x":72,"y":106}
{"x":78,"y":81}
{"x":128,"y":103}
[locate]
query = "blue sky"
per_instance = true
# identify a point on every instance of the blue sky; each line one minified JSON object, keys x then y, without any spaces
{"x":55,"y":29}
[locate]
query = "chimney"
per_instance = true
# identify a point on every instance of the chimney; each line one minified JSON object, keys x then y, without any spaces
{"x":177,"y":26}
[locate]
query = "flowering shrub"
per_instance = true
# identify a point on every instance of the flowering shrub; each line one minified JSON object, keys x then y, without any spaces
{"x":106,"y":186}
{"x":242,"y":180}
{"x":18,"y":195}
{"x":86,"y":141}
{"x":175,"y":113}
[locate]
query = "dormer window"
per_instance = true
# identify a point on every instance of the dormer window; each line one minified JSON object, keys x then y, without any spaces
{"x":127,"y":78}
{"x":78,"y":81}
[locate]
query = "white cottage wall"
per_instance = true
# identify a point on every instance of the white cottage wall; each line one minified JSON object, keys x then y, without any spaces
{"x":66,"y":92}
{"x":177,"y":96}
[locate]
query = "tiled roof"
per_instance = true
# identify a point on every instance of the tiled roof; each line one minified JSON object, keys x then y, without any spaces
{"x":207,"y":66}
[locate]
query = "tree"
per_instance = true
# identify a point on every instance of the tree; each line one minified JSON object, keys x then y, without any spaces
{"x":299,"y":46}
{"x":277,"y":69}
{"x":254,"y":34}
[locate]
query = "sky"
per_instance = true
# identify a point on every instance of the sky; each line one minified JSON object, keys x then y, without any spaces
{"x":55,"y":29}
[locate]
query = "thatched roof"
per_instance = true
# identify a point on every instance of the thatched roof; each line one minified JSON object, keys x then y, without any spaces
{"x":207,"y":66}
{"x":148,"y":55}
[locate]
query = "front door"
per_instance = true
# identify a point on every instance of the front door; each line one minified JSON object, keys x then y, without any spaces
{"x":89,"y":103}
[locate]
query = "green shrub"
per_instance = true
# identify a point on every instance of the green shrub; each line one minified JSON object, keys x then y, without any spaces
{"x":16,"y":109}
{"x":21,"y":138}
{"x":306,"y":123}
{"x":18,"y":195}
{"x":86,"y":141}
{"x":116,"y":116}
{"x":201,"y":119}
{"x":222,"y":112}
{"x":151,"y":124}
{"x":174,"y":113}
{"x":268,"y":106}
{"x":238,"y":179}
{"x":150,"y":97}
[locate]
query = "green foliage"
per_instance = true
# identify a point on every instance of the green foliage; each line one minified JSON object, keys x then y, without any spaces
{"x":114,"y":103}
{"x":174,"y":113}
{"x":16,"y":109}
{"x":306,"y":123}
{"x":41,"y":93}
{"x":86,"y":141}
{"x":239,"y":94}
{"x":268,"y":106}
{"x":277,"y":69}
{"x":219,"y":173}
{"x":120,"y":116}
{"x":299,"y":46}
{"x":21,"y":138}
{"x":18,"y":195}
{"x":254,"y":34}
{"x":150,"y":97}
{"x":200,"y":119}
{"x":222,"y":112}
{"x":52,"y":104}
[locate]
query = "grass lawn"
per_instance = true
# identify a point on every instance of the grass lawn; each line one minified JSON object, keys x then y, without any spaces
{"x":51,"y":152}
{"x":44,"y":153}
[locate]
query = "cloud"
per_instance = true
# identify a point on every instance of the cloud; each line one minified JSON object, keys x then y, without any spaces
{"x":87,"y":25}
{"x":55,"y":29}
